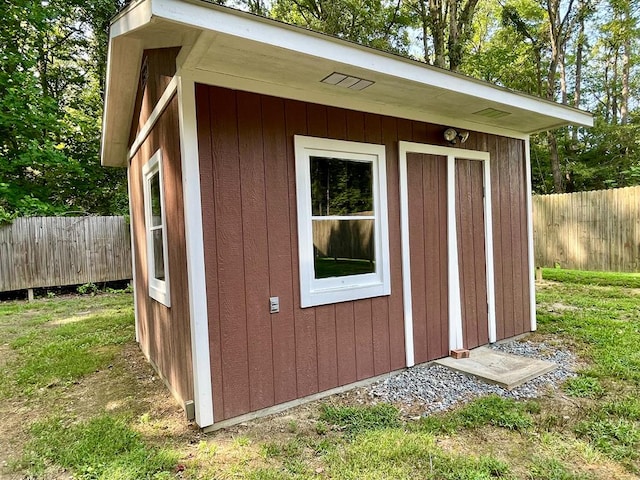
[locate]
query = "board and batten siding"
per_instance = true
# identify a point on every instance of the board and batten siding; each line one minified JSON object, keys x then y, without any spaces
{"x":427,"y":201}
{"x":164,"y":333}
{"x":247,"y":169}
{"x":40,"y":252}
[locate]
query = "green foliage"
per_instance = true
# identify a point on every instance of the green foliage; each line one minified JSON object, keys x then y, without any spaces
{"x":584,"y":386}
{"x":101,"y":448}
{"x":627,"y":408}
{"x":617,"y":438}
{"x":490,"y":410}
{"x":378,"y":24}
{"x":357,"y":419}
{"x":50,"y":99}
{"x":88,"y":288}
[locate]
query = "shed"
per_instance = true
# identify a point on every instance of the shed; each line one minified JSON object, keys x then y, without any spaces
{"x":307,"y":213}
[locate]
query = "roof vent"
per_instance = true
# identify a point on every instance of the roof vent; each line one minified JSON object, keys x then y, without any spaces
{"x":347,"y":81}
{"x":491,"y":113}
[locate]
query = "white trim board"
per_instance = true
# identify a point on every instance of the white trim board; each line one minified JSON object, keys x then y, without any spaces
{"x":160,"y":107}
{"x":532,"y":281}
{"x":197,"y":290}
{"x":136,"y":315}
{"x":455,"y":312}
{"x":159,"y":289}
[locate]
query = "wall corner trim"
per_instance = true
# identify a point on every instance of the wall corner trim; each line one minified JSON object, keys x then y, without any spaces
{"x":532,"y":265}
{"x":197,"y":289}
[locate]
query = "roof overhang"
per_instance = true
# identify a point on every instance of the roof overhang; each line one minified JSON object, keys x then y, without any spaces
{"x":234,"y":49}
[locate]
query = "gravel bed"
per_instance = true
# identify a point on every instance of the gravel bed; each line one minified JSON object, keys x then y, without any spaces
{"x":433,"y":388}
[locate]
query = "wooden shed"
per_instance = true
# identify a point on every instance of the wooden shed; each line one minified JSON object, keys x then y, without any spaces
{"x":307,"y":213}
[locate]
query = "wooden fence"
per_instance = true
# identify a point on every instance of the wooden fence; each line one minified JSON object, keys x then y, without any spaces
{"x":55,"y":251}
{"x":588,"y":230}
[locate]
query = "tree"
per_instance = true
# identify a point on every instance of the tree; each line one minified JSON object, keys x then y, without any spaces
{"x":52,"y":58}
{"x":376,"y":23}
{"x":447,"y":27}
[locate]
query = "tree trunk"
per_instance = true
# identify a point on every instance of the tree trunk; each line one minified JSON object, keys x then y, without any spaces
{"x":614,"y":83}
{"x":563,"y":78}
{"x":624,"y":101}
{"x":453,"y":42}
{"x":558,"y":182}
{"x":424,"y":20}
{"x":578,"y":80}
{"x":436,"y":16}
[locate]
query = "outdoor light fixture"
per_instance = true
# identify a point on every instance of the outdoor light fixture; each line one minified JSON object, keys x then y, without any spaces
{"x":453,"y":136}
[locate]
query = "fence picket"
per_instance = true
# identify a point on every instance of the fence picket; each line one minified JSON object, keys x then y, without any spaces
{"x":597,"y":230}
{"x":40,"y":252}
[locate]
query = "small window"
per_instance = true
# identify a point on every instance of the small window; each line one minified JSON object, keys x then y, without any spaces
{"x":342,"y":220}
{"x":155,"y":222}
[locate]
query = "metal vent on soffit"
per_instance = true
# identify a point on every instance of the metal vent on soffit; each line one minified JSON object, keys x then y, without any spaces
{"x":491,"y":113}
{"x":347,"y":81}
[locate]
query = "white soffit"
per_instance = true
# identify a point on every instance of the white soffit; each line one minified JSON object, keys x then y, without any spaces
{"x":243,"y":51}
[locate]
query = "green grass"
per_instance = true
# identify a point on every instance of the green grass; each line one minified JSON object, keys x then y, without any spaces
{"x":584,"y":386}
{"x":544,"y":468}
{"x":609,"y":279}
{"x":601,"y":316}
{"x":63,"y":340}
{"x":353,"y":420}
{"x":594,"y":435}
{"x":102,"y":448}
{"x":396,"y":454}
{"x":491,"y":410}
{"x":605,"y":321}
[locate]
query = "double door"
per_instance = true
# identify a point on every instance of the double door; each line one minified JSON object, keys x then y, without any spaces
{"x":449,"y":295}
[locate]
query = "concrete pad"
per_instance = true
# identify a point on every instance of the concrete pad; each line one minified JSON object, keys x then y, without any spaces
{"x":504,"y":369}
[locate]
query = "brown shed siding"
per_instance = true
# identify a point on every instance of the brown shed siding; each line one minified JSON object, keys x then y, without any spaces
{"x":157,"y":69}
{"x":472,"y":257}
{"x":427,"y":196}
{"x":251,"y":251}
{"x":164,"y":333}
{"x":511,"y":262}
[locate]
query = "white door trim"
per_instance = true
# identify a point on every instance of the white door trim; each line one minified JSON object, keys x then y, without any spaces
{"x":455,"y":308}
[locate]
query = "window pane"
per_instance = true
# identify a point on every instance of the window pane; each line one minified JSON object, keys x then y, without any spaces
{"x":158,"y":255}
{"x":343,"y":247}
{"x":341,"y":187}
{"x":156,"y":209}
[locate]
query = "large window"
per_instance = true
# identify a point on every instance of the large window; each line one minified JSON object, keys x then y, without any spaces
{"x":342,"y":220}
{"x":155,"y":222}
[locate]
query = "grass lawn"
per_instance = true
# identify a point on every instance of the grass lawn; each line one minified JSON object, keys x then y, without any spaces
{"x":79,"y":400}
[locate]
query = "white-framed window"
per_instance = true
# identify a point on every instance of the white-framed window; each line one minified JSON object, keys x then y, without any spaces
{"x":155,"y":223}
{"x":343,"y":231}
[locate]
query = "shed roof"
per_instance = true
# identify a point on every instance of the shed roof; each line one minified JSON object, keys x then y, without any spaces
{"x":226,"y":47}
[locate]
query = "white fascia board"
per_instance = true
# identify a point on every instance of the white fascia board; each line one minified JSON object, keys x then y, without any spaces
{"x":132,"y":18}
{"x":123,"y":65}
{"x":240,"y":24}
